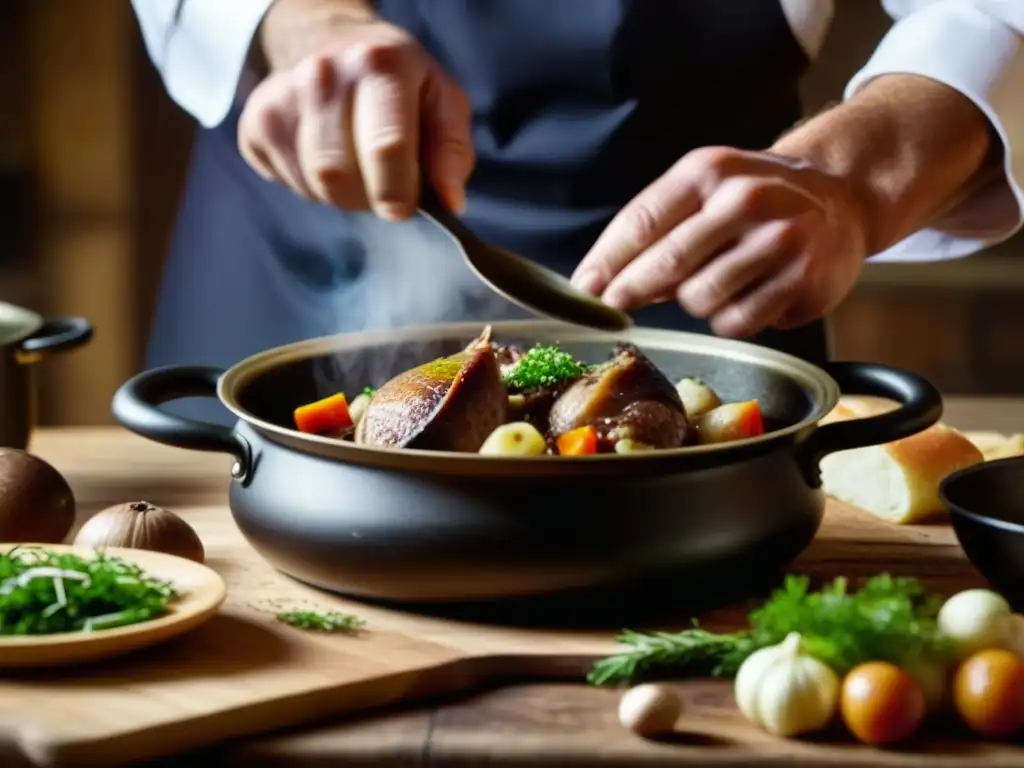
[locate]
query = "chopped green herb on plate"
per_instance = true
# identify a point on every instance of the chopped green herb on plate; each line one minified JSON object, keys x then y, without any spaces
{"x":44,"y":592}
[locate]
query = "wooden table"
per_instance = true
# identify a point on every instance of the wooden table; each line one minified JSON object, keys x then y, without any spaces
{"x":556,"y":725}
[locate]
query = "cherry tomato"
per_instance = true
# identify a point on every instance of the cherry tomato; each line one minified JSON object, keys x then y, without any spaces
{"x":881,"y":704}
{"x":988,"y":690}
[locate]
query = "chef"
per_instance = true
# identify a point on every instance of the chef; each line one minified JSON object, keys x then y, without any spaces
{"x":650,"y":149}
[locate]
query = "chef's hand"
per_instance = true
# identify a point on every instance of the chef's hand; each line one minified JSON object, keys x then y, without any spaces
{"x":348,"y":123}
{"x":748,"y":240}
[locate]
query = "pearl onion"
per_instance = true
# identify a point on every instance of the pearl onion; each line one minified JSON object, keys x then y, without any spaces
{"x":649,"y":709}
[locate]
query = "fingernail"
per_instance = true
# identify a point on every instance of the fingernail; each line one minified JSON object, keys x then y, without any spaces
{"x":617,"y":300}
{"x":588,"y":281}
{"x":456,"y":199}
{"x":394,"y":211}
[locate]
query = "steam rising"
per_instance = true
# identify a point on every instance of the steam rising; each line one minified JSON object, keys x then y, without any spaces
{"x":414,"y":275}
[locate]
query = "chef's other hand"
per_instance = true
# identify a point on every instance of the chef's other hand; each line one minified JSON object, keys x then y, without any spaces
{"x":748,"y":240}
{"x":350,"y":123}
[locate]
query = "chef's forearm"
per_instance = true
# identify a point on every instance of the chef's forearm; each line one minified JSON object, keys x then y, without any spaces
{"x":910,"y":148}
{"x":292,"y":29}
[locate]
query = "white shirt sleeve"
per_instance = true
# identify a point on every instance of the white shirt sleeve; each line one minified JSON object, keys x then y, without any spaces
{"x":977,"y":48}
{"x":200,"y":48}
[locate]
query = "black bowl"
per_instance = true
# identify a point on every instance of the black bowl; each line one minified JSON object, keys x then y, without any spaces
{"x":986,"y":503}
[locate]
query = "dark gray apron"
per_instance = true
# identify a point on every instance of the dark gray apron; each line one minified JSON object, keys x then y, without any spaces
{"x":578,"y":105}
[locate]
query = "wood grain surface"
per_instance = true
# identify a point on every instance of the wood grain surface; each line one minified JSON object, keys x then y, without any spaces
{"x":568,"y":724}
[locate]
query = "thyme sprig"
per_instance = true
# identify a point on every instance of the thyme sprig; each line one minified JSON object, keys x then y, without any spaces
{"x":322,"y":621}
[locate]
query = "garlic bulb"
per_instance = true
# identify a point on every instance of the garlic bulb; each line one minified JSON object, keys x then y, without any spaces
{"x":786,"y":692}
{"x":649,"y":709}
{"x":976,"y":620}
{"x":141,"y":525}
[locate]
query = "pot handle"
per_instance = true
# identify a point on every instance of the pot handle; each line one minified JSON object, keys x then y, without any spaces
{"x":57,"y":334}
{"x":920,"y":408}
{"x":135,"y":406}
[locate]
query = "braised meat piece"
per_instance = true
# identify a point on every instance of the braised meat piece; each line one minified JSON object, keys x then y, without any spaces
{"x":533,"y":406}
{"x":450,"y":404}
{"x":627,"y":398}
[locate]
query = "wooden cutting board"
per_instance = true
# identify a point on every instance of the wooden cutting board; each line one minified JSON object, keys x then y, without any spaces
{"x":246,"y":673}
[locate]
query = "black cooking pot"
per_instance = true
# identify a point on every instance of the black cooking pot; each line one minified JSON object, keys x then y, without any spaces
{"x":418,"y":526}
{"x":25,"y":339}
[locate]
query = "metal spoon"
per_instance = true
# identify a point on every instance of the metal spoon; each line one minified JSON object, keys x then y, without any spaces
{"x":519,"y":280}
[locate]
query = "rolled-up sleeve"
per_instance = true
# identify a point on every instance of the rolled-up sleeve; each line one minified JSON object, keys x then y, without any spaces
{"x":977,"y":48}
{"x":201,"y":48}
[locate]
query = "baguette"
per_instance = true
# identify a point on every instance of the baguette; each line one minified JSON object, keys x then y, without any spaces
{"x":897,"y":481}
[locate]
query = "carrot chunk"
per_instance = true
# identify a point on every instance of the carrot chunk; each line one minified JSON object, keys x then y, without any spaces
{"x":577,"y":442}
{"x":327,"y":415}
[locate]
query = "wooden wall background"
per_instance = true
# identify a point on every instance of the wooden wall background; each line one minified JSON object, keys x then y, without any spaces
{"x":84,"y":111}
{"x":107,"y":151}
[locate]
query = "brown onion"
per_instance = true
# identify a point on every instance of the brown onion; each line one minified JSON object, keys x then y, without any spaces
{"x":141,"y":525}
{"x":36,"y":502}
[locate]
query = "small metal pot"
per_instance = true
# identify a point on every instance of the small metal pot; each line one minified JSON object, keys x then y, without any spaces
{"x":418,"y":526}
{"x":25,"y":339}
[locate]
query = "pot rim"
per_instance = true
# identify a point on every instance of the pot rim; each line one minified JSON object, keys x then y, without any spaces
{"x":17,"y":323}
{"x":821,"y":388}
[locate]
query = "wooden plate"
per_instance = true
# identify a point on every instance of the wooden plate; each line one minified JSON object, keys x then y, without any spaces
{"x":201,"y":590}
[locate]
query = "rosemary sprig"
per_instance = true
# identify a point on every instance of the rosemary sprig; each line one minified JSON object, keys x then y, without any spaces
{"x":322,"y":621}
{"x":691,"y":652}
{"x":43,"y":592}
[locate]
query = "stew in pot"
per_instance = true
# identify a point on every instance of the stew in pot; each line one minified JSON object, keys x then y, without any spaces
{"x":504,"y":400}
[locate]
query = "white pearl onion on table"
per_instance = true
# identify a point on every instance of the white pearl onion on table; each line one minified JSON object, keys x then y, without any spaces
{"x":649,"y":710}
{"x":975,"y":620}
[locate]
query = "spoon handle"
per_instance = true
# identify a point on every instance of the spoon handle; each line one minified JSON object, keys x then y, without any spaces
{"x":531,"y":286}
{"x":433,"y":206}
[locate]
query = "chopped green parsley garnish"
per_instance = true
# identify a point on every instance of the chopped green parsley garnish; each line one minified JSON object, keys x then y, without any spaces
{"x":543,"y":366}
